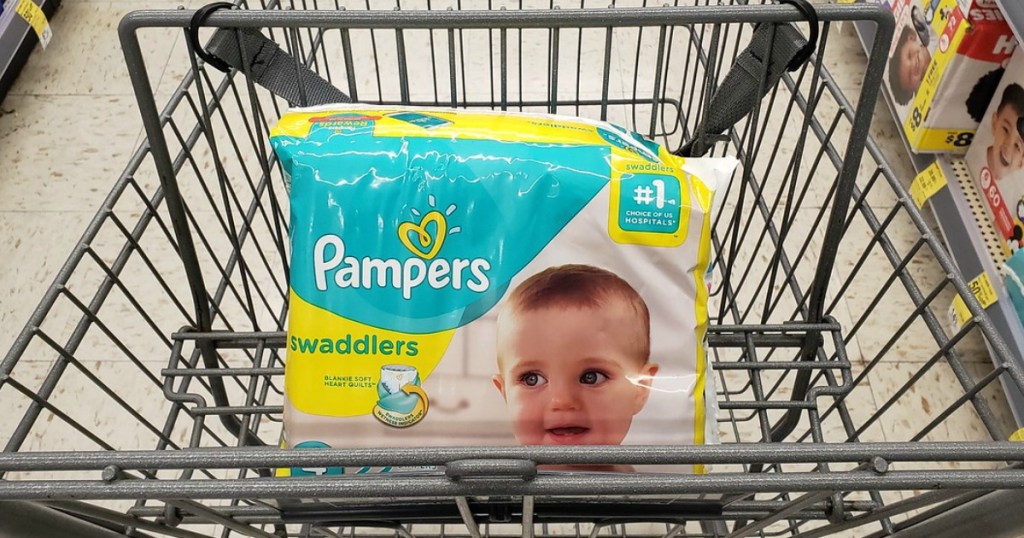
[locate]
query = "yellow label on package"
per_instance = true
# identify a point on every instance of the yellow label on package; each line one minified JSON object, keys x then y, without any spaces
{"x":468,"y":278}
{"x":983,"y":291}
{"x":35,"y":17}
{"x":938,"y":140}
{"x":930,"y":181}
{"x":949,"y":42}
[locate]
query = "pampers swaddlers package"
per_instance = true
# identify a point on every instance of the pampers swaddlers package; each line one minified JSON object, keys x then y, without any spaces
{"x":468,"y":278}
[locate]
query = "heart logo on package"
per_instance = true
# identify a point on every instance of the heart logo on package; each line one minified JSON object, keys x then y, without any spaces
{"x":426,"y":245}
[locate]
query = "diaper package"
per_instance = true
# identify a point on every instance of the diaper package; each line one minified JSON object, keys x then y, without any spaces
{"x":481,"y":278}
{"x":945,"y":60}
{"x":1013,"y":279}
{"x":996,"y":158}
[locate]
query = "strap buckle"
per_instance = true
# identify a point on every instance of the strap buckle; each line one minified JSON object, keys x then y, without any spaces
{"x":198,"y":20}
{"x":804,"y":54}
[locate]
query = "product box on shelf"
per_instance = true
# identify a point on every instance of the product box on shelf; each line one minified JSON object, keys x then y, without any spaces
{"x":1013,"y":278}
{"x":996,"y":158}
{"x":945,"y":60}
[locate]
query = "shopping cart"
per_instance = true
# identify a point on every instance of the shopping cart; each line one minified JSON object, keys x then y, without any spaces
{"x":143,"y":397}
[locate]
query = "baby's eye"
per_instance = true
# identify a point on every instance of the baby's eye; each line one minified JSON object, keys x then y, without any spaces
{"x":532,"y":379}
{"x":592,"y":377}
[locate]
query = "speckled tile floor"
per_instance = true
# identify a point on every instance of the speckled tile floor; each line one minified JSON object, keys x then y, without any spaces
{"x":70,"y":125}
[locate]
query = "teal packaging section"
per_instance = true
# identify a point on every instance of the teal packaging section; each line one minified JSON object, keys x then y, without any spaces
{"x":649,"y":203}
{"x":472,"y":213}
{"x":1014,"y":270}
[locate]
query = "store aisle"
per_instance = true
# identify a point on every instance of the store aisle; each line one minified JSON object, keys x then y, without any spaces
{"x":67,"y":128}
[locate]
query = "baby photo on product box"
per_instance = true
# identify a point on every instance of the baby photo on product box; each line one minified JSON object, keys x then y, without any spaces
{"x":911,"y":53}
{"x":996,"y":158}
{"x":483,"y":278}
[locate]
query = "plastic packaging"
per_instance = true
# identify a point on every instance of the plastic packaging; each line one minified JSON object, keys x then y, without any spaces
{"x":479,"y":278}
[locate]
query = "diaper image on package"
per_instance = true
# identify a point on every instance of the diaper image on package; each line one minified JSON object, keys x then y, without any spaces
{"x":402,"y":402}
{"x":482,"y":278}
{"x":996,"y":158}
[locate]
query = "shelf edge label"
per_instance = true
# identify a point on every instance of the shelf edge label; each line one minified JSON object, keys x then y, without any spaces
{"x":983,"y":291}
{"x":35,"y":17}
{"x":930,"y":181}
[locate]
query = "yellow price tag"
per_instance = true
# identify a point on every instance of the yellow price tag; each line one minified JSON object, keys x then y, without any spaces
{"x":942,"y":57}
{"x":983,"y":291}
{"x":930,"y":181}
{"x":1017,"y":436}
{"x":32,"y":13}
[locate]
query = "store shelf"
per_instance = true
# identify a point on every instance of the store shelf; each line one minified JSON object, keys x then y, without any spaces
{"x":1013,"y":10}
{"x":972,"y":252}
{"x":17,"y":41}
{"x":962,"y":233}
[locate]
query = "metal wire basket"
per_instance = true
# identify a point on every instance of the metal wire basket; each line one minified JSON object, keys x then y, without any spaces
{"x":144,"y":395}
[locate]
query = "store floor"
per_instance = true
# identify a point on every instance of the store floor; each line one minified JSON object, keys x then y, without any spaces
{"x":70,"y":124}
